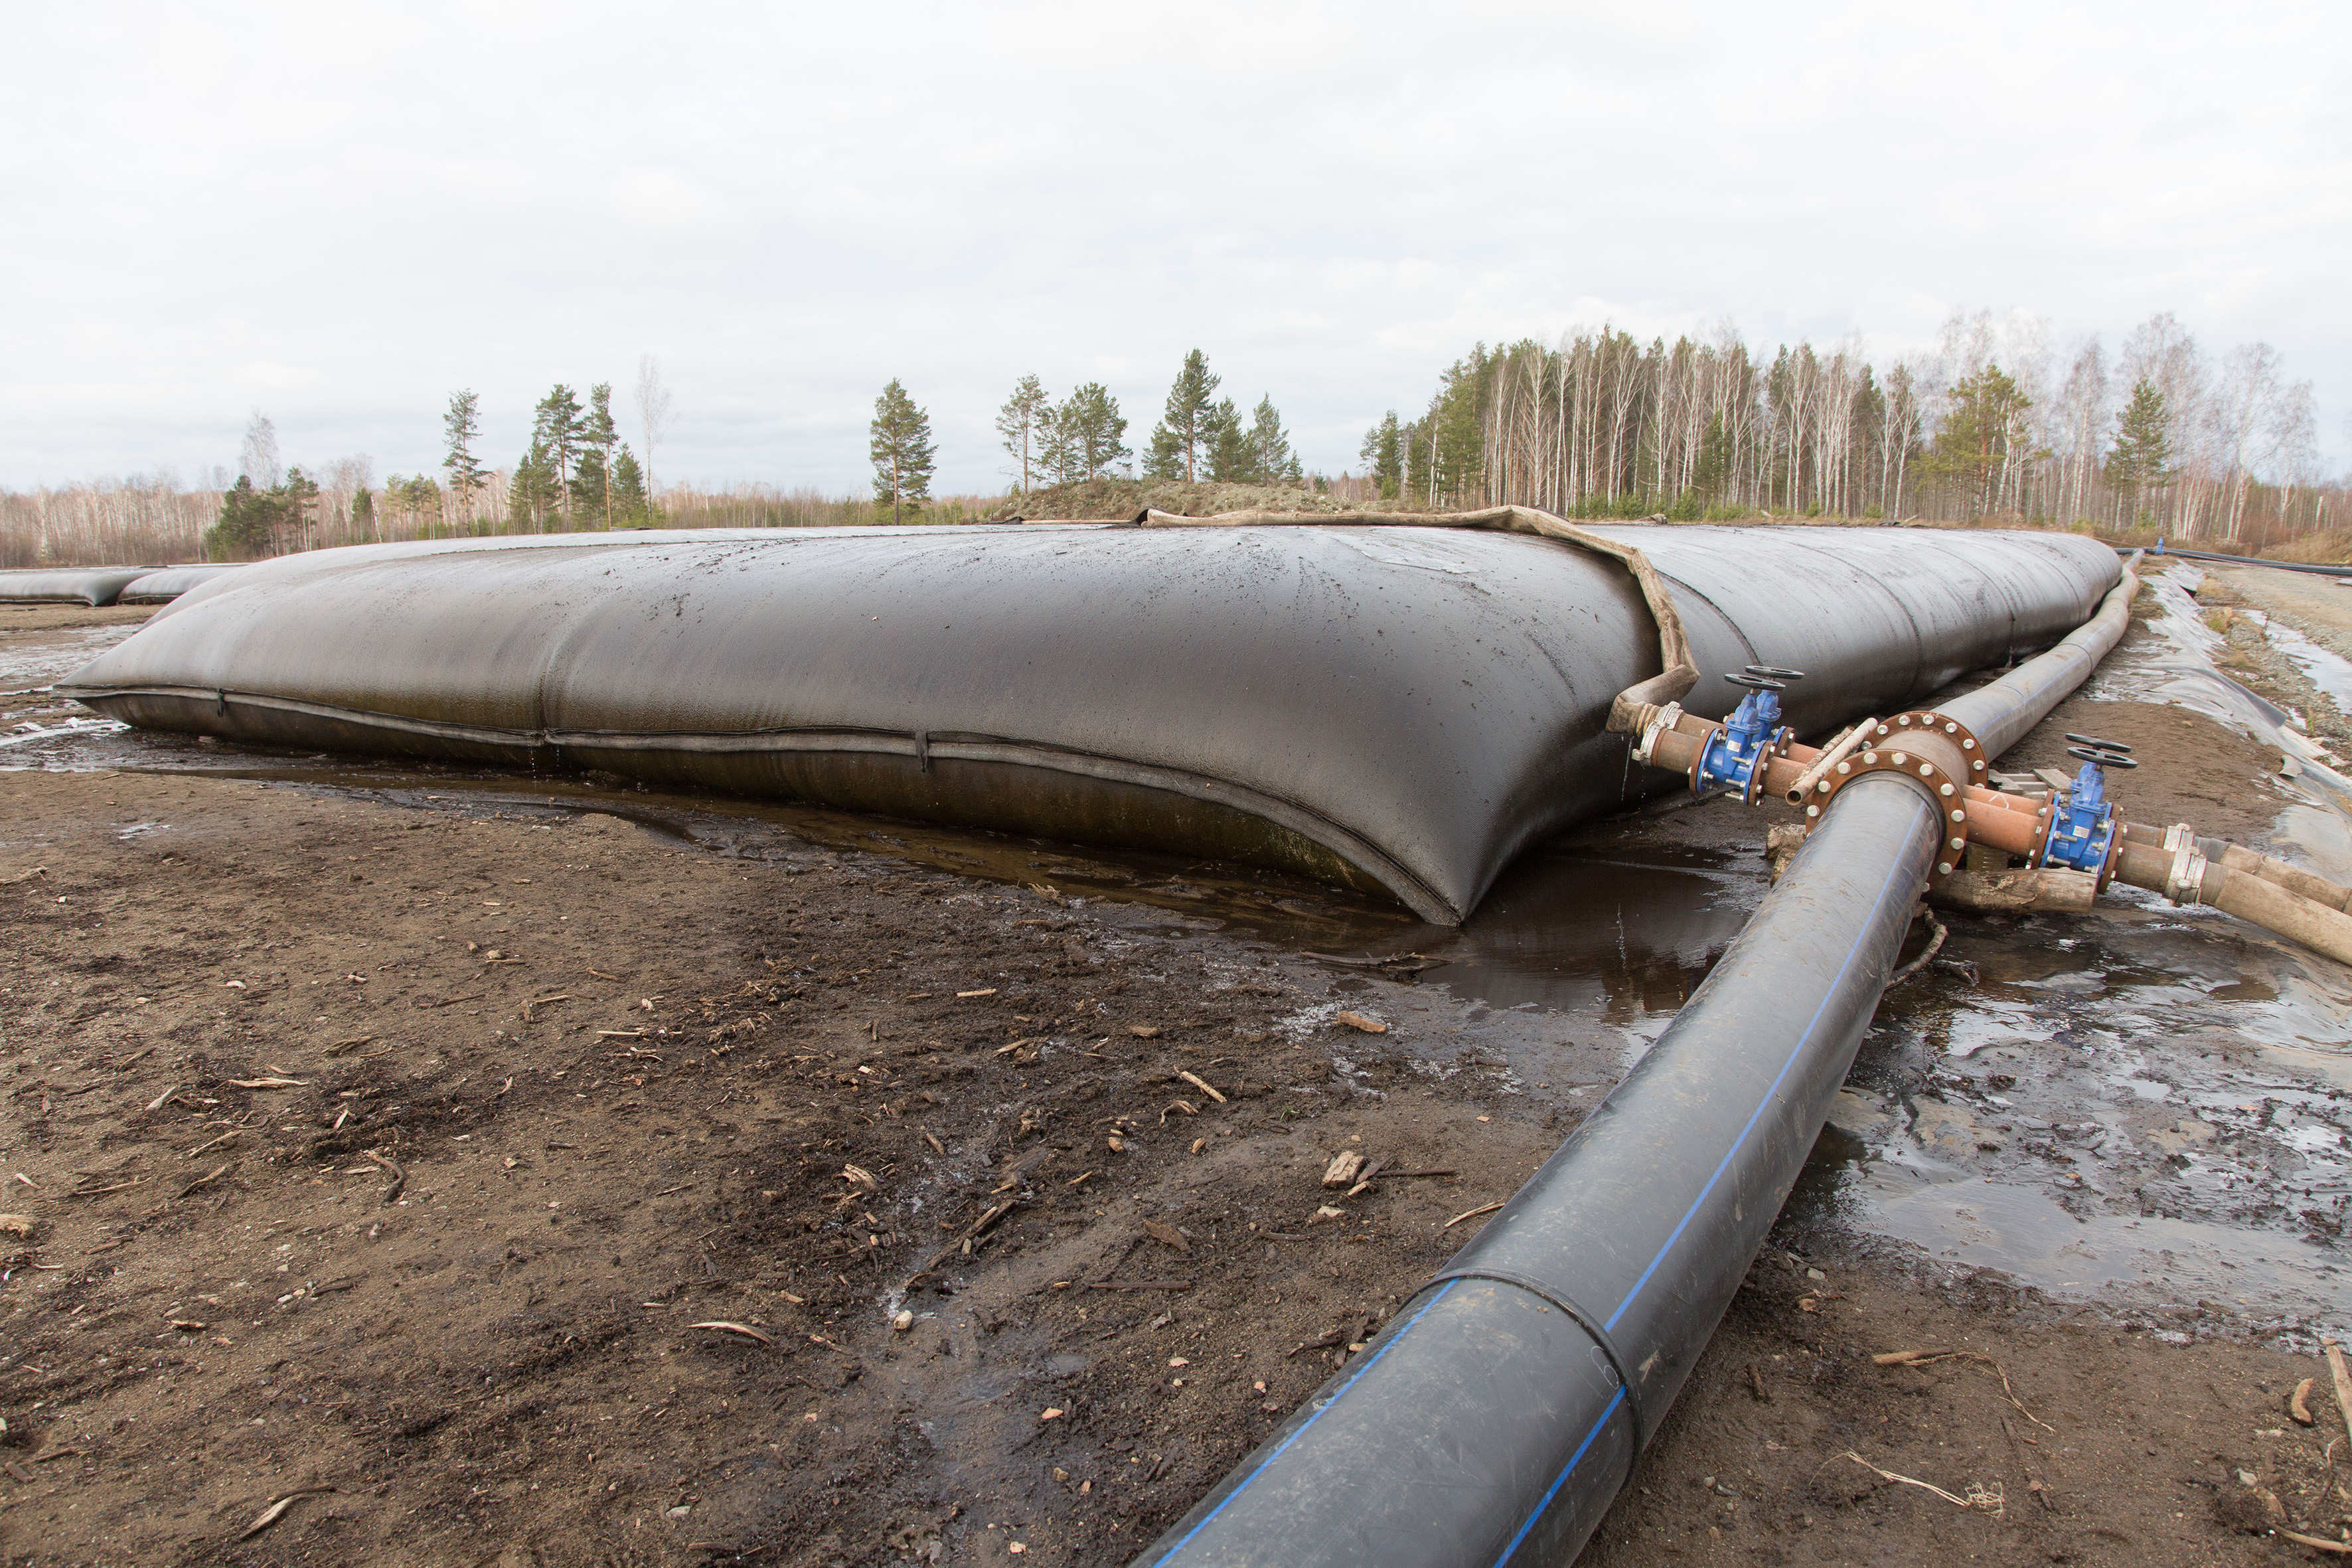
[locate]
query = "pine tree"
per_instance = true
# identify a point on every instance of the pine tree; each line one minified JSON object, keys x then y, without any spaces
{"x":466,"y":477}
{"x":532,"y":493}
{"x":1177,"y":439}
{"x":628,"y":492}
{"x":1453,"y":432}
{"x":902,"y":452}
{"x":364,"y":513}
{"x":298,"y":511}
{"x":248,"y":518}
{"x":1383,"y":455}
{"x":1973,"y":447}
{"x":2142,"y":448}
{"x":558,"y":431}
{"x":1164,"y":457}
{"x":1086,"y":433}
{"x":1269,"y":445}
{"x":592,"y":481}
{"x":1021,"y":423}
{"x":1225,"y":445}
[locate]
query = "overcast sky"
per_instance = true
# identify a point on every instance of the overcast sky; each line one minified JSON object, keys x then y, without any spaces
{"x":339,"y":214}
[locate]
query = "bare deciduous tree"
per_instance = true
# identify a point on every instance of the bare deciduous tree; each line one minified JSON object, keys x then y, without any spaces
{"x":653,"y":415}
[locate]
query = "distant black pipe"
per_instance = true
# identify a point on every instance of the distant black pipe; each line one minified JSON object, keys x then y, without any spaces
{"x":2319,"y":569}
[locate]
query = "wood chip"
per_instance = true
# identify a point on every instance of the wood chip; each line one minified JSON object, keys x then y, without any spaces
{"x":858,"y":1175}
{"x":2341,"y":1547}
{"x":1144,"y":1031}
{"x":967,"y":995}
{"x":1167,"y":1235}
{"x":1203,"y":1085}
{"x":216,"y":1172}
{"x":1469,"y":1214}
{"x":2341,"y":1379}
{"x":391,"y":1194}
{"x":2298,"y":1403}
{"x":1341,"y":1171}
{"x":269,"y":1083}
{"x":19,"y":1225}
{"x":1358,"y":1021}
{"x":745,"y":1330}
{"x":277,"y":1511}
{"x":163,"y":1098}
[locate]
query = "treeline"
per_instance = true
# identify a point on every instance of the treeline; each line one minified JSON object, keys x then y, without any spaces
{"x":2160,"y":439}
{"x":1082,"y":438}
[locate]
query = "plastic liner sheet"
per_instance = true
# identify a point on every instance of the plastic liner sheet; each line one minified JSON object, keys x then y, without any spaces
{"x":1399,"y":708}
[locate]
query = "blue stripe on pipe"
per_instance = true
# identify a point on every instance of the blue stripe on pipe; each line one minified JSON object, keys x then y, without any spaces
{"x":1310,"y":1421}
{"x":1544,"y":1502}
{"x":1769,"y":1094}
{"x":1578,"y":1458}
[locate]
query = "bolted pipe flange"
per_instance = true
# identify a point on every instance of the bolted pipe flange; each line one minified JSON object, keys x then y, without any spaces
{"x":1890,"y":756}
{"x":1952,"y":730}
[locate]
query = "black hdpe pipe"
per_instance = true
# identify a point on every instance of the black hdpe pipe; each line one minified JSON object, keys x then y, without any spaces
{"x":2318,"y":569}
{"x":1499,"y":1413}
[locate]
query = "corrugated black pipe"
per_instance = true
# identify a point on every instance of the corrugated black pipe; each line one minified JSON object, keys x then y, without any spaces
{"x":1496,"y":1416}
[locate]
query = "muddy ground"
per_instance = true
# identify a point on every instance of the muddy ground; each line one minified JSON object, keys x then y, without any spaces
{"x":387,"y":1149}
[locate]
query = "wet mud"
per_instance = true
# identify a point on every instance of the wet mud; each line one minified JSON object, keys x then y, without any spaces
{"x":577,"y":1067}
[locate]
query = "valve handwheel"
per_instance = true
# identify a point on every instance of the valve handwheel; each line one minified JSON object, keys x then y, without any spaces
{"x":2104,"y":759}
{"x":1760,"y":682}
{"x":1773,"y":672}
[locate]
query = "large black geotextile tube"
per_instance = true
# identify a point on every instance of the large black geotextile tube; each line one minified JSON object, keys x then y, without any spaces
{"x":1399,"y":708}
{"x":1499,"y":1412}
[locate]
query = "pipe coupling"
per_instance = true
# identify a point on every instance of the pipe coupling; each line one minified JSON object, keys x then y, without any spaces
{"x":2184,"y":879}
{"x":1660,"y":721}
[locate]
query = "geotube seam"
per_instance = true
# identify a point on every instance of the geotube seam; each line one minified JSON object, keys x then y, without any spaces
{"x":925,"y":747}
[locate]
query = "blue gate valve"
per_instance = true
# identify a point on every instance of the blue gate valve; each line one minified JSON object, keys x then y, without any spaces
{"x":2082,"y":819}
{"x":1733,"y":755}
